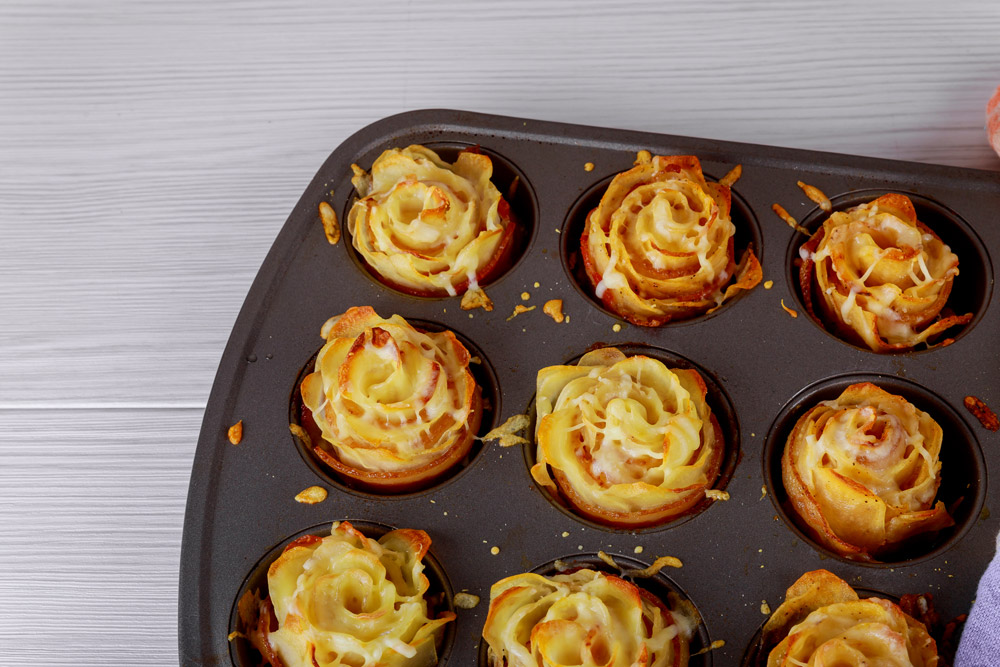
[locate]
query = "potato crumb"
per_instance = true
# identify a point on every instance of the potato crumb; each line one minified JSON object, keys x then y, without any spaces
{"x":236,"y":432}
{"x":466,"y":600}
{"x":476,"y":298}
{"x":765,"y":608}
{"x":331,"y":228}
{"x":718,"y":643}
{"x":301,"y":434}
{"x":565,"y":533}
{"x":768,"y":284}
{"x":763,"y":493}
{"x":643,"y":157}
{"x":588,"y":166}
{"x":788,"y":310}
{"x":234,"y":634}
{"x":732,"y":176}
{"x":658,"y":564}
{"x":518,"y":309}
{"x":311,"y":496}
{"x":717,"y":494}
{"x":608,"y":560}
{"x":982,"y":412}
{"x":537,"y":284}
{"x":616,"y":328}
{"x":638,"y":550}
{"x":494,"y":550}
{"x":553,"y":308}
{"x":789,"y":220}
{"x":816,"y":195}
{"x":525,"y":296}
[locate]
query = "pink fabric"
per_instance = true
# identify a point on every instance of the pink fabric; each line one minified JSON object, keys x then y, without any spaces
{"x":980,"y":643}
{"x":993,"y":124}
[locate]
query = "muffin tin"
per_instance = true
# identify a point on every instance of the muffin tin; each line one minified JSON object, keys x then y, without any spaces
{"x":764,"y":367}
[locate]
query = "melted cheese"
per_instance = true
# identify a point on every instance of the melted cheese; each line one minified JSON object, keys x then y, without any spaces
{"x":627,"y":434}
{"x":427,"y":225}
{"x":659,"y":243}
{"x":348,"y":596}
{"x":585,"y":618}
{"x":868,"y":463}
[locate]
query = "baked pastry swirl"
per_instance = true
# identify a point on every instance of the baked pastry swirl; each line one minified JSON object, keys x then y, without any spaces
{"x":659,"y":246}
{"x":625,"y":440}
{"x":879,"y":276}
{"x":346,"y":599}
{"x":584,"y":618}
{"x":431,"y":228}
{"x":823,"y":622}
{"x":395,"y":407}
{"x":862,"y":472}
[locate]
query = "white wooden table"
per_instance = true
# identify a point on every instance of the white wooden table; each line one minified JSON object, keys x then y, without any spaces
{"x":150,"y":151}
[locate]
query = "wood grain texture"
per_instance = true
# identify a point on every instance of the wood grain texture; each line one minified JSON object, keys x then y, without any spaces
{"x":150,"y":151}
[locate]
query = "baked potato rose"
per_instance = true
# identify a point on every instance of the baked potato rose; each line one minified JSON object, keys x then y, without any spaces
{"x":659,"y":246}
{"x":625,"y":440}
{"x":823,"y":622}
{"x":394,"y":407}
{"x":346,"y":599}
{"x":862,"y":472}
{"x":879,"y":276}
{"x":583,"y":618}
{"x":428,"y":227}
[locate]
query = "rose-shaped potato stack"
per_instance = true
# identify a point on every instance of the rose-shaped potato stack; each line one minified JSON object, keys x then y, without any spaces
{"x":659,"y":246}
{"x":395,"y":407}
{"x":584,"y":618}
{"x":879,"y":277}
{"x":862,"y":472}
{"x":823,"y":622}
{"x":431,"y":228}
{"x":627,"y":441}
{"x":346,"y":599}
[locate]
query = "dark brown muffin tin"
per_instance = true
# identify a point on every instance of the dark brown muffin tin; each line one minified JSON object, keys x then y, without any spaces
{"x":766,"y":367}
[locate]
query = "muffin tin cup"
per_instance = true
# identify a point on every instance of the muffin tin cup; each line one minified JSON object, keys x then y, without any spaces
{"x":490,"y":520}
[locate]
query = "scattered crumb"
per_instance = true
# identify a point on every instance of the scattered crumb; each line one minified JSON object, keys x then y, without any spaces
{"x":763,"y":493}
{"x":658,"y":564}
{"x":789,"y":220}
{"x":643,"y":157}
{"x":311,"y":496}
{"x":732,"y":176}
{"x":765,"y":608}
{"x":331,"y":228}
{"x":466,"y":600}
{"x":718,"y":643}
{"x":525,"y":296}
{"x":475,"y":360}
{"x":589,"y":166}
{"x":234,"y":634}
{"x":537,"y":284}
{"x":558,"y":231}
{"x":982,"y":412}
{"x":608,"y":560}
{"x":565,"y":533}
{"x":518,"y":309}
{"x":236,"y":432}
{"x":768,"y":284}
{"x":567,"y":319}
{"x":445,"y":513}
{"x":433,"y":502}
{"x":476,"y":298}
{"x":301,"y":434}
{"x":616,"y":328}
{"x":788,"y":310}
{"x":507,"y":432}
{"x":816,"y":195}
{"x":494,"y":550}
{"x":637,"y":550}
{"x":553,"y":308}
{"x":717,"y":494}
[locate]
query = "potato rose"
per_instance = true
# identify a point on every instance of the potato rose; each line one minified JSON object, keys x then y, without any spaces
{"x":584,"y":618}
{"x":659,"y":246}
{"x":627,"y":441}
{"x":879,"y":276}
{"x":862,"y":472}
{"x":347,"y":599}
{"x":823,"y":622}
{"x":395,"y":407}
{"x":431,"y":228}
